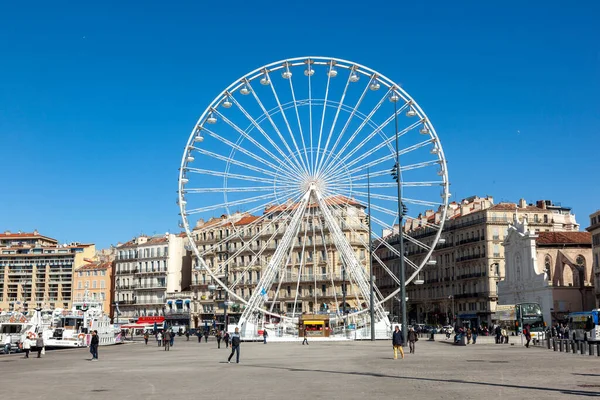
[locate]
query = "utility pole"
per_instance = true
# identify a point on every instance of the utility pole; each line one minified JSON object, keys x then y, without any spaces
{"x":344,"y":294}
{"x":371,"y":302}
{"x":396,"y":174}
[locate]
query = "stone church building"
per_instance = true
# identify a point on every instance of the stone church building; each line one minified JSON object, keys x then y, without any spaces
{"x":553,"y":269}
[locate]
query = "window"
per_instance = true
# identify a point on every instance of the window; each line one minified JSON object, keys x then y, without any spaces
{"x":94,"y":285}
{"x":79,"y":285}
{"x":102,"y":285}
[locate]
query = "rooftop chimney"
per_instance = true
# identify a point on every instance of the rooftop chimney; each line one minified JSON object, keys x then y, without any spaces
{"x":522,"y":203}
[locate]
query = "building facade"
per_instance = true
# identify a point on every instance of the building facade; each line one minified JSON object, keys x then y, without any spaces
{"x":146,"y":268}
{"x":37,"y":271}
{"x":97,"y":278}
{"x":461,"y":284}
{"x":553,"y":269}
{"x":238,"y":247}
{"x":594,"y":230}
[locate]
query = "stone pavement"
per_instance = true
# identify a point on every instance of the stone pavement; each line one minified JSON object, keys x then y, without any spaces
{"x":336,"y":370}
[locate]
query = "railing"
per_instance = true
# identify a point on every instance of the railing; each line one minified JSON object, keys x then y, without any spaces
{"x":467,"y":258}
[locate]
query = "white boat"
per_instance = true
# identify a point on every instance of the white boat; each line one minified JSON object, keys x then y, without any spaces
{"x":12,"y":325}
{"x":74,"y":328}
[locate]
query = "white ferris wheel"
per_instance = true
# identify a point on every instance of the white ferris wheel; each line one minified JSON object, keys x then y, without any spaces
{"x":275,"y":181}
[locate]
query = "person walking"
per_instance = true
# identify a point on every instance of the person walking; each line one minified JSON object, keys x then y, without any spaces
{"x":167,"y":340}
{"x":171,"y":338}
{"x":39,"y":345}
{"x":94,"y":346}
{"x":199,"y":334}
{"x":226,"y":338}
{"x":6,"y":344}
{"x":469,"y":334}
{"x":159,"y":339}
{"x":219,"y":337}
{"x":397,"y":342}
{"x":187,"y":336}
{"x":412,"y":339}
{"x":26,"y":347}
{"x":265,"y":335}
{"x":305,"y":341}
{"x":235,"y":346}
{"x":527,"y":333}
{"x":146,"y":337}
{"x":475,"y":334}
{"x":504,"y":338}
{"x":206,"y":336}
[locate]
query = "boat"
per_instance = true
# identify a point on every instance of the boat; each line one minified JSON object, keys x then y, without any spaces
{"x":12,"y":324}
{"x":73,"y":328}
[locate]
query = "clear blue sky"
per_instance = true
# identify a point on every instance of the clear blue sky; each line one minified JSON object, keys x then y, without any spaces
{"x":97,"y":100}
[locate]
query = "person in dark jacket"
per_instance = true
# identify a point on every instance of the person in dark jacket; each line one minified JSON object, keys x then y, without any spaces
{"x":412,"y":338}
{"x":398,"y":342}
{"x":219,"y":337}
{"x":39,"y":345}
{"x":235,"y":346}
{"x":94,"y":346}
{"x":226,"y":339}
{"x":527,"y":333}
{"x":167,"y":340}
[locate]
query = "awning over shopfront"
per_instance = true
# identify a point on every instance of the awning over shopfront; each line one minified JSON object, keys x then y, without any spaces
{"x":314,"y":322}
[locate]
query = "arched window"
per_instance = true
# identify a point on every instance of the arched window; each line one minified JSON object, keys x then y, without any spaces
{"x":545,"y":218}
{"x":548,"y":267}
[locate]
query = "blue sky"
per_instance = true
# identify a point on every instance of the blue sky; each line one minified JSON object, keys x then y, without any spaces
{"x":97,"y":101}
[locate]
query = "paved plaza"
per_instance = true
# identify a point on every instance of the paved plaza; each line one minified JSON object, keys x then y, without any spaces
{"x":322,"y":370}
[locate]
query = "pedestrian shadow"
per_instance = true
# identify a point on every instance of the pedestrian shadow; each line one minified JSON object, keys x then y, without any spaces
{"x":422,"y":379}
{"x":574,"y":373}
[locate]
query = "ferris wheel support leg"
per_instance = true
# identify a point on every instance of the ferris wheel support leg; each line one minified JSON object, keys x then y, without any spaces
{"x":268,"y":277}
{"x":357,"y":273}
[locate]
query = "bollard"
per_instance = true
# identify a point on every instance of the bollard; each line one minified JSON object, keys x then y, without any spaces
{"x":598,"y":349}
{"x":567,"y":346}
{"x":548,"y":343}
{"x":560,"y":345}
{"x":582,"y":348}
{"x":554,"y":344}
{"x":590,"y":349}
{"x":575,"y":346}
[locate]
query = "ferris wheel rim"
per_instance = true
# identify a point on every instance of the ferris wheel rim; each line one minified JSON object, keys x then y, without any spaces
{"x":276,"y":66}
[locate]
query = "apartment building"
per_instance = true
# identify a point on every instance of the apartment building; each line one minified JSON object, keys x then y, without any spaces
{"x":238,"y":247}
{"x":468,"y":263}
{"x":146,"y":268}
{"x":594,"y":229}
{"x":37,"y":271}
{"x":97,"y":278}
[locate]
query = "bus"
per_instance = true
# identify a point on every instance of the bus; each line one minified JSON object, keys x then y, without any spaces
{"x":585,"y":325}
{"x":515,"y":317}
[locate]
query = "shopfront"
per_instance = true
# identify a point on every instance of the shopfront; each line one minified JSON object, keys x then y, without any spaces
{"x":314,"y":325}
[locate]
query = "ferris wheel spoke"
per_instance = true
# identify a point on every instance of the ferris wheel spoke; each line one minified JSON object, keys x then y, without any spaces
{"x":300,"y":270}
{"x":246,"y":135}
{"x":387,"y":142}
{"x":310,"y":125}
{"x":316,"y":163}
{"x":229,"y":175}
{"x":357,"y":131}
{"x":234,"y":189}
{"x":251,"y":154}
{"x":267,"y":216}
{"x":387,"y":157}
{"x":233,"y":161}
{"x":264,"y":228}
{"x":377,"y":130}
{"x":296,"y":165}
{"x":333,"y":125}
{"x":291,"y":80}
{"x":348,"y":121}
{"x":231,"y":204}
{"x":424,"y":164}
{"x":287,"y":123}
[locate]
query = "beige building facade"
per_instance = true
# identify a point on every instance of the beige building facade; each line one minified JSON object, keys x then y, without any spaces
{"x":97,"y":278}
{"x":146,"y":268}
{"x":238,"y":248}
{"x":594,"y":230}
{"x":468,"y":262}
{"x":37,"y":271}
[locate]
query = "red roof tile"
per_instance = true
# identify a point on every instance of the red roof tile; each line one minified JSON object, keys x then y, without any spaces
{"x":94,"y":266}
{"x":564,"y":238}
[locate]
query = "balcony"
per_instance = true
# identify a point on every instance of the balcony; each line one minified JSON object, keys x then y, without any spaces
{"x":150,"y":272}
{"x":471,"y":257}
{"x":149,"y":286}
{"x":470,"y":276}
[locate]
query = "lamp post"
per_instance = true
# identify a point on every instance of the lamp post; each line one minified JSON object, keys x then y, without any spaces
{"x":401,"y":210}
{"x":371,"y":277}
{"x":344,"y":295}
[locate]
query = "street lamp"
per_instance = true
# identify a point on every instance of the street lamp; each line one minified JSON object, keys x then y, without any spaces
{"x":401,"y":211}
{"x":371,"y":276}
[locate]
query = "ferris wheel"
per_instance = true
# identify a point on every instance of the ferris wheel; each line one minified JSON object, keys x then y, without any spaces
{"x":286,"y":173}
